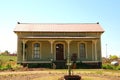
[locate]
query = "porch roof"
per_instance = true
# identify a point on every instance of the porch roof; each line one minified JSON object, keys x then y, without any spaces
{"x":58,"y":27}
{"x":59,"y":38}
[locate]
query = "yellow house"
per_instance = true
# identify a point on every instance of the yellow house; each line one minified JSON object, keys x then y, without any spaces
{"x":46,"y":43}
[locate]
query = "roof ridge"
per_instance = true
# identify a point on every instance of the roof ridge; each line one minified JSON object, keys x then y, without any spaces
{"x":57,"y":23}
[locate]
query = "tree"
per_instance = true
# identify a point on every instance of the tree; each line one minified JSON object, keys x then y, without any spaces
{"x":113,"y":57}
{"x":5,"y":53}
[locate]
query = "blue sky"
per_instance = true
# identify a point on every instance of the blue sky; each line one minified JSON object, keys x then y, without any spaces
{"x":106,"y":12}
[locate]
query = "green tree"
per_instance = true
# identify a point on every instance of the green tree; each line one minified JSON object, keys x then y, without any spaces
{"x":113,"y":57}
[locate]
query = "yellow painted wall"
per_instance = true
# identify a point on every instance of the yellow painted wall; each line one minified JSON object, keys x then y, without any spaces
{"x":74,"y":47}
{"x":46,"y":46}
{"x":45,"y":50}
{"x":89,"y":50}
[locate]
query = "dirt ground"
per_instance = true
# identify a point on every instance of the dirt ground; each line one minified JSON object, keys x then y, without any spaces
{"x":47,"y":74}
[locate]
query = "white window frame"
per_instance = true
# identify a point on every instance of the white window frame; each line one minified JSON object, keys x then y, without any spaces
{"x":79,"y":49}
{"x":33,"y":50}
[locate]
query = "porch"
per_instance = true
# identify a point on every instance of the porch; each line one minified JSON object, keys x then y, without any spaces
{"x":62,"y":64}
{"x":49,"y":50}
{"x":59,"y":49}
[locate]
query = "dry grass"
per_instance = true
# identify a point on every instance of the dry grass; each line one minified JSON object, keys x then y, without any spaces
{"x":58,"y":78}
{"x":86,"y":74}
{"x":48,"y":78}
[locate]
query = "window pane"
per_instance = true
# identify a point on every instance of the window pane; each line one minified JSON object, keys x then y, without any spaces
{"x":36,"y":45}
{"x":82,"y":50}
{"x":36,"y":50}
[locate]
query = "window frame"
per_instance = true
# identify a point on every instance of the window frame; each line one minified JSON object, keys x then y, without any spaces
{"x":79,"y":50}
{"x":33,"y":51}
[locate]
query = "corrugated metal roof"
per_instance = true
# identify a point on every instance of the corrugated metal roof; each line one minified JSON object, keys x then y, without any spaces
{"x":58,"y":27}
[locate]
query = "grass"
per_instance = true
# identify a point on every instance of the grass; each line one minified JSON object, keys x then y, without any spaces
{"x":92,"y":74}
{"x":56,"y":74}
{"x":7,"y":58}
{"x":48,"y":78}
{"x":86,"y":74}
{"x":58,"y":78}
{"x":8,"y":62}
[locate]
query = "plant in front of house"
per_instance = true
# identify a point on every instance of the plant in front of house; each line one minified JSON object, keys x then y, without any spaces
{"x":111,"y":67}
{"x":8,"y":63}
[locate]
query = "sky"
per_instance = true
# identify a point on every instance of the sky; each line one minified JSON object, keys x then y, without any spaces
{"x":106,"y":12}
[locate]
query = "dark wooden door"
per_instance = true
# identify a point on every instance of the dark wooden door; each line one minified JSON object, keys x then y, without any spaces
{"x":59,"y":52}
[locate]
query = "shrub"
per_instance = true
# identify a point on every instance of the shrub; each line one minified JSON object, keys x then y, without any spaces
{"x":8,"y":66}
{"x":107,"y":66}
{"x":118,"y":68}
{"x":104,"y":66}
{"x":1,"y":68}
{"x":8,"y":62}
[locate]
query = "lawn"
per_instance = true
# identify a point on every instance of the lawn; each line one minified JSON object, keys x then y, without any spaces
{"x":8,"y":58}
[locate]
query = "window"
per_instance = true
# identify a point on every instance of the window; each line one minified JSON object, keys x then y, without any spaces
{"x":36,"y":50}
{"x":82,"y":50}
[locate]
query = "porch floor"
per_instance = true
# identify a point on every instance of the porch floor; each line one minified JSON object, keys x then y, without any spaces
{"x":35,"y":62}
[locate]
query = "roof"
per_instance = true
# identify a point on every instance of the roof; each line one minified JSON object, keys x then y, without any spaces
{"x":58,"y":27}
{"x":59,"y":37}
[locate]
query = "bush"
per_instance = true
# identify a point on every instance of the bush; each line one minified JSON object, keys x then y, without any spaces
{"x":118,"y":68}
{"x":1,"y":68}
{"x":8,"y":62}
{"x":104,"y":66}
{"x":8,"y":66}
{"x":109,"y":66}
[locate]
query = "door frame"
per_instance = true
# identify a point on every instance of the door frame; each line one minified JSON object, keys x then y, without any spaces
{"x":63,"y":43}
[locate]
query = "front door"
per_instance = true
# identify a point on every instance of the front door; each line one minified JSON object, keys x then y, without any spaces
{"x":59,"y":52}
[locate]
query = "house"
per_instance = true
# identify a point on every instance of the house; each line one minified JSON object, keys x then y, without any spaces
{"x":46,"y":43}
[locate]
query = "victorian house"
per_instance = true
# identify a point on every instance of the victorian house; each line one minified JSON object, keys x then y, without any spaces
{"x":46,"y":43}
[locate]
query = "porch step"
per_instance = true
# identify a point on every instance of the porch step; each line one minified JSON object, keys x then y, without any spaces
{"x":60,"y":64}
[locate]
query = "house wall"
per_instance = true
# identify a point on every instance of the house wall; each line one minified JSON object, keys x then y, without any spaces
{"x":45,"y":51}
{"x":89,"y":51}
{"x":58,"y":34}
{"x":19,"y":50}
{"x":99,"y":50}
{"x":29,"y":50}
{"x":74,"y":48}
{"x":46,"y":46}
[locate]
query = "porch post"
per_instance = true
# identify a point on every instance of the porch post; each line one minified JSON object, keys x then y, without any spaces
{"x":68,"y":57}
{"x":96,"y":50}
{"x":51,"y":43}
{"x":93,"y":50}
{"x":95,"y":44}
{"x":24,"y":41}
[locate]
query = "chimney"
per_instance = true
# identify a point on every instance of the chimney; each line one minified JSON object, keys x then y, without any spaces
{"x":97,"y":22}
{"x":18,"y":22}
